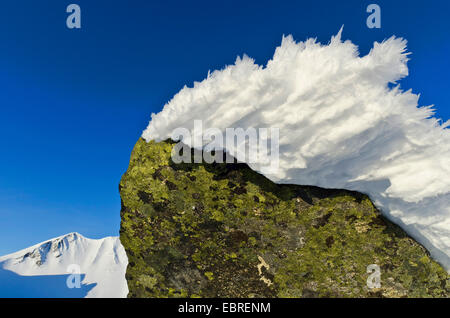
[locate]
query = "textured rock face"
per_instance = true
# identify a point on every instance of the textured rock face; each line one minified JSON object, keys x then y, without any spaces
{"x":222,"y":230}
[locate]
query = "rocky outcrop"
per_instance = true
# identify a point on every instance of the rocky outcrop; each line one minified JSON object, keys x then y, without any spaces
{"x":223,"y":230}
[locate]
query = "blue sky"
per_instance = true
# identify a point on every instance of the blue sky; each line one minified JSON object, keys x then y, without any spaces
{"x":74,"y":102}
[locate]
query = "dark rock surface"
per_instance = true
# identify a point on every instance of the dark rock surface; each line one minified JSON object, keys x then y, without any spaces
{"x":223,"y":230}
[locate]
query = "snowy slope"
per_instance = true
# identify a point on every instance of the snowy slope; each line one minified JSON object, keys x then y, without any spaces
{"x":342,"y":124}
{"x":42,"y":270}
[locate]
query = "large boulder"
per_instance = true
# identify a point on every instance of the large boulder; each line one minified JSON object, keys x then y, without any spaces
{"x":223,"y":230}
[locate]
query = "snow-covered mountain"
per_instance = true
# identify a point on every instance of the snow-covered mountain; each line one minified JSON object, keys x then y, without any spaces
{"x":43,"y":270}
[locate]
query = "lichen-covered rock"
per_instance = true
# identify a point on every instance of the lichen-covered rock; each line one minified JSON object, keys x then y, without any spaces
{"x":223,"y":230}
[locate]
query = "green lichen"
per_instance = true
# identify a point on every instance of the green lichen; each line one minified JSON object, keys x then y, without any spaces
{"x":223,"y":230}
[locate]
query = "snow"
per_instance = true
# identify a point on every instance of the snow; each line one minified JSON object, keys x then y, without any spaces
{"x":42,"y":270}
{"x":343,"y":123}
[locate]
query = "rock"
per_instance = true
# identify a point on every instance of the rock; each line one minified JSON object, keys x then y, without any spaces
{"x":223,"y":230}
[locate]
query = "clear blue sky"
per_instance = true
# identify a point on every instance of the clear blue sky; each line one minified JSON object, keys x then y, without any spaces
{"x":74,"y":102}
